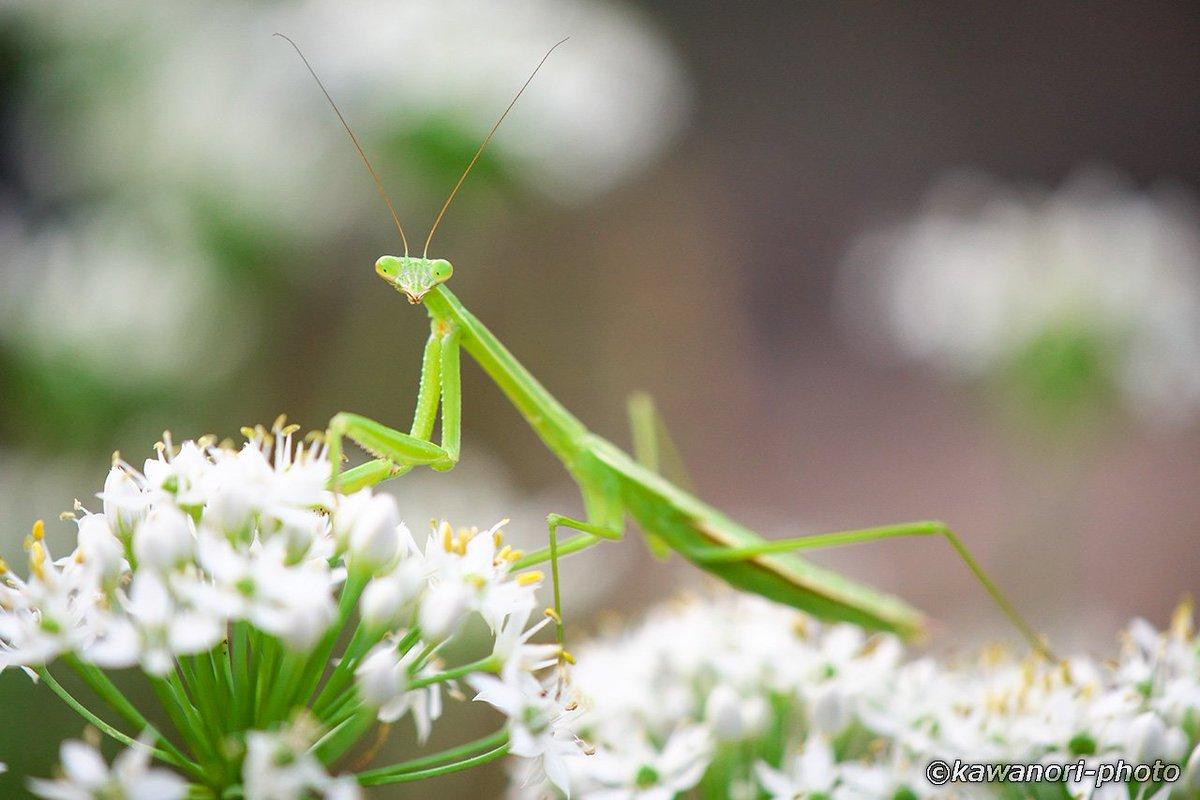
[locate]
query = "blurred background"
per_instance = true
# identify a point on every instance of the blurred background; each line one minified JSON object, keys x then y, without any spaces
{"x":876,"y":263}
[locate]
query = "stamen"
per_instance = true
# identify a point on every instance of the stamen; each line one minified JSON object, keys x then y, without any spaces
{"x":552,"y":614}
{"x":37,"y":560}
{"x":39,"y":531}
{"x":567,"y":657}
{"x":530,"y":578}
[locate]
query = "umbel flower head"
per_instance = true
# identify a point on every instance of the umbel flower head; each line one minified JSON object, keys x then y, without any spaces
{"x":229,"y":575}
{"x":1082,"y":295}
{"x":736,"y":697}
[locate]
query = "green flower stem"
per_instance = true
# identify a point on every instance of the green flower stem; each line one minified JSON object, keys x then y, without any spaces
{"x":110,"y":694}
{"x":489,"y":664}
{"x":219,"y":658}
{"x":314,"y":668}
{"x":469,"y":749}
{"x":291,"y":668}
{"x":243,"y":689}
{"x":196,"y":791}
{"x":434,"y":772}
{"x":266,"y":667}
{"x":343,"y":671}
{"x":182,"y":716}
{"x":332,"y":745}
{"x":197,"y":686}
{"x":109,"y":730}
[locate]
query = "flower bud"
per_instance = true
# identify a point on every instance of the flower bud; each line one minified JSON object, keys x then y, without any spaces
{"x":164,"y":540}
{"x":723,"y":713}
{"x":380,"y":678}
{"x":442,"y":609}
{"x":381,"y":603}
{"x":1145,"y":738}
{"x":124,"y":502}
{"x":374,"y":538}
{"x":101,"y":550}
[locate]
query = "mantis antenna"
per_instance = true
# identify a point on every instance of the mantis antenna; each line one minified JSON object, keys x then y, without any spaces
{"x":378,"y":183}
{"x":486,"y":139}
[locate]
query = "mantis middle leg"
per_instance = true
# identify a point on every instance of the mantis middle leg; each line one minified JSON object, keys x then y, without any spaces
{"x":397,"y":452}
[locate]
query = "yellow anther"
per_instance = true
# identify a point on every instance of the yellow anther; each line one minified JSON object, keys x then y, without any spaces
{"x":3,"y":567}
{"x":206,"y":441}
{"x":279,"y":422}
{"x":1181,"y":619}
{"x":39,"y":530}
{"x":529,"y":578}
{"x":227,"y":444}
{"x":567,"y":657}
{"x":447,"y":537}
{"x":247,"y":432}
{"x":503,"y":554}
{"x":571,"y":706}
{"x":116,"y":457}
{"x":516,"y":555}
{"x":552,"y":614}
{"x":78,"y":556}
{"x":66,"y":515}
{"x":37,"y":560}
{"x":288,"y":430}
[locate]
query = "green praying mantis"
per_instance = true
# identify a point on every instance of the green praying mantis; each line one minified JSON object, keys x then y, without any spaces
{"x":614,"y":485}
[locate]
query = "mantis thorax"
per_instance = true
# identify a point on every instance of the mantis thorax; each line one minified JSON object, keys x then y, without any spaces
{"x":413,"y":277}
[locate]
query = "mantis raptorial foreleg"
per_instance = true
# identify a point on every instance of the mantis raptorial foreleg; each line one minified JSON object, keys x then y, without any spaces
{"x":905,"y":530}
{"x":397,"y":452}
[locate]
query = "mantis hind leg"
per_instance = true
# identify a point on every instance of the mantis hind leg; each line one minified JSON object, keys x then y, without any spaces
{"x":652,"y":446}
{"x":397,"y":452}
{"x":911,"y":529}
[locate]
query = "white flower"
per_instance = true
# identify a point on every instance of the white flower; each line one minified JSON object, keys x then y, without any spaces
{"x":643,"y":772}
{"x":86,"y":776}
{"x":167,"y":627}
{"x":164,"y":539}
{"x":125,"y":501}
{"x":279,"y":765}
{"x":99,"y":549}
{"x":537,"y":720}
{"x":375,"y":535}
{"x":512,"y":643}
{"x":812,"y":772}
{"x":382,"y":680}
{"x":731,"y":716}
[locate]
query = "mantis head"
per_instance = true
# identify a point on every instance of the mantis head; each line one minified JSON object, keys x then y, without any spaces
{"x":413,"y":277}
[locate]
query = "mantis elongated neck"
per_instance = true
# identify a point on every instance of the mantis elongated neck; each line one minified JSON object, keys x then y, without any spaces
{"x":556,"y":426}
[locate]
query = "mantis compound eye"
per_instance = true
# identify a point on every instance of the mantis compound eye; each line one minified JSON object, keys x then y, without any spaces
{"x":388,"y":267}
{"x":442,"y":270}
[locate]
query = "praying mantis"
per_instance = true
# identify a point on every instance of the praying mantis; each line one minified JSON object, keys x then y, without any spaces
{"x":614,"y":485}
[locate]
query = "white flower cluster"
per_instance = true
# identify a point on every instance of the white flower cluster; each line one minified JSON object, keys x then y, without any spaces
{"x":741,"y":698}
{"x":202,"y":537}
{"x":228,"y":575}
{"x":985,"y":274}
